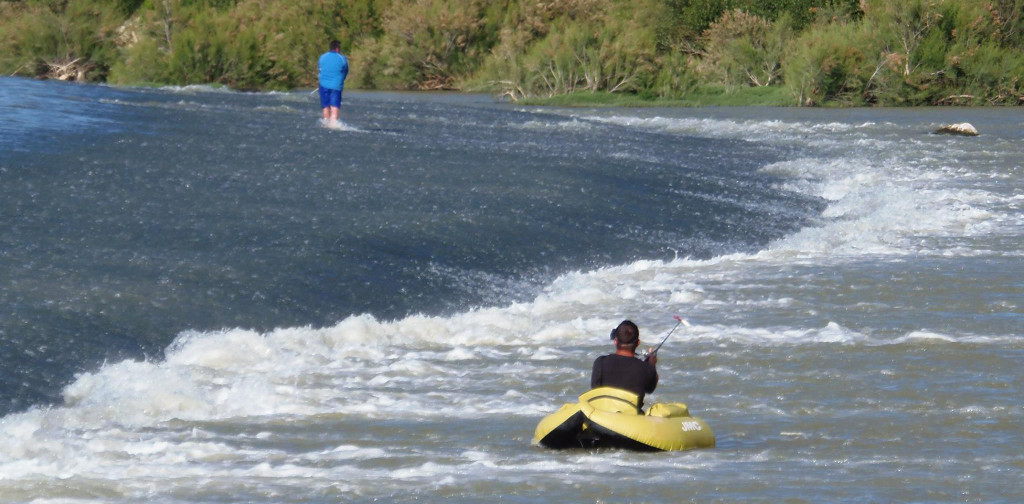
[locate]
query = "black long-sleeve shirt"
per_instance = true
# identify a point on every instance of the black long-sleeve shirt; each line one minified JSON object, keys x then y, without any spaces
{"x":627,"y":373}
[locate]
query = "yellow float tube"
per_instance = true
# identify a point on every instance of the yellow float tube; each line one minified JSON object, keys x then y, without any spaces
{"x":607,"y":417}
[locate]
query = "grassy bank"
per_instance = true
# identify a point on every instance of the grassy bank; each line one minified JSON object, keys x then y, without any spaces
{"x":560,"y":52}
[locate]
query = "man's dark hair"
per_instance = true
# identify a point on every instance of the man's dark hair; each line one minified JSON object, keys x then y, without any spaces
{"x":627,"y":335}
{"x":335,"y":45}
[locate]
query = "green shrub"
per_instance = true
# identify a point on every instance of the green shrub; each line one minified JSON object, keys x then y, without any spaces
{"x":253,"y":45}
{"x":941,"y":52}
{"x":39,"y":37}
{"x":992,"y":75}
{"x":745,"y":49}
{"x":830,"y":64}
{"x":691,"y":17}
{"x":278,"y":48}
{"x":598,"y":47}
{"x":821,"y":52}
{"x":144,"y":63}
{"x":413,"y":54}
{"x":675,"y":78}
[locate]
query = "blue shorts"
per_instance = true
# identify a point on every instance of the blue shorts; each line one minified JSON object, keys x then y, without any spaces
{"x":330,"y":97}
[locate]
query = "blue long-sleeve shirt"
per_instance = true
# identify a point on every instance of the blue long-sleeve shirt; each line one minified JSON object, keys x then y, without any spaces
{"x":333,"y":70}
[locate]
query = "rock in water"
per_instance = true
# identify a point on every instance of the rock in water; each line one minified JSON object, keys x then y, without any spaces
{"x":962,"y":129}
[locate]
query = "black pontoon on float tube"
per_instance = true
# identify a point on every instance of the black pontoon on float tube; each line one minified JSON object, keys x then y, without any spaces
{"x":607,"y":417}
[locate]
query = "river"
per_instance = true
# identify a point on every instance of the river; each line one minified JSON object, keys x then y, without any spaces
{"x":209,"y":297}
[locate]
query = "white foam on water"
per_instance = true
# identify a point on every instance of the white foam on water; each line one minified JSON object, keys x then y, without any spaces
{"x":199,"y":88}
{"x":339,"y":125}
{"x":769,"y":131}
{"x":572,"y":124}
{"x":189,"y":105}
{"x":283,"y":109}
{"x":887,"y":186}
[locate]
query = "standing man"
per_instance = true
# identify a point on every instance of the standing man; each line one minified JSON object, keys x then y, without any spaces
{"x":622,"y":369}
{"x":333,"y":71}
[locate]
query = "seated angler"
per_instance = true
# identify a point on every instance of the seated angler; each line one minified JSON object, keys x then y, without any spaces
{"x":622,"y":369}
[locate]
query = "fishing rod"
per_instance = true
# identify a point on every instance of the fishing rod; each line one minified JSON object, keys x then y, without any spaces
{"x":679,"y":321}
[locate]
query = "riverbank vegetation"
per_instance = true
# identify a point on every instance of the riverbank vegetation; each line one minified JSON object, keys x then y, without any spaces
{"x":779,"y":52}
